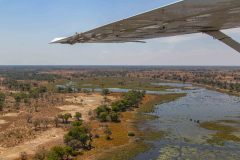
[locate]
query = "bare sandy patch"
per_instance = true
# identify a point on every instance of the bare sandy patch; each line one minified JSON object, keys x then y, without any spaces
{"x":86,"y":100}
{"x":2,"y":121}
{"x":30,"y":147}
{"x":84,"y":104}
{"x":84,"y":110}
{"x":11,"y":115}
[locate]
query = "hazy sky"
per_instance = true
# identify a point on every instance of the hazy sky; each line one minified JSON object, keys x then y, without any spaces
{"x":27,"y":26}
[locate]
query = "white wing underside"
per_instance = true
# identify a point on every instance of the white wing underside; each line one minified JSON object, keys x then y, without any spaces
{"x":182,"y":17}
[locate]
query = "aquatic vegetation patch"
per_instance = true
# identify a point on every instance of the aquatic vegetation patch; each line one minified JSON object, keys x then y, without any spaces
{"x":223,"y":132}
{"x":151,"y":135}
{"x":229,"y":121}
{"x":126,"y":152}
{"x":217,"y":126}
{"x":141,"y":117}
{"x":169,"y":152}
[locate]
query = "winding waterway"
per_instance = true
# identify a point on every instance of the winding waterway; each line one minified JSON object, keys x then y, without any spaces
{"x":181,"y":118}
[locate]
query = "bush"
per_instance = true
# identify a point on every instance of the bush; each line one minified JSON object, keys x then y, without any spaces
{"x":131,"y":134}
{"x":119,"y":106}
{"x":78,"y":116}
{"x":114,"y":117}
{"x":108,"y":133}
{"x":74,"y":144}
{"x":105,"y":117}
{"x":66,"y":117}
{"x":97,"y":136}
{"x":116,"y":108}
{"x":68,"y":151}
{"x":41,"y":154}
{"x":56,"y":153}
{"x":107,"y":137}
{"x":102,"y":108}
{"x":60,"y":153}
{"x":78,"y":134}
{"x":23,"y":156}
{"x":105,"y":92}
{"x":77,"y":123}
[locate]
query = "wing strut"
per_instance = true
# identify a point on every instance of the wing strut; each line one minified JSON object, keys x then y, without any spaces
{"x":225,"y":39}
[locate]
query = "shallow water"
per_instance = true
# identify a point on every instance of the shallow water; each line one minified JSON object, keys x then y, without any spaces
{"x":186,"y":140}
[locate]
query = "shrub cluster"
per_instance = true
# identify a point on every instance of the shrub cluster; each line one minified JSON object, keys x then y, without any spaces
{"x":78,"y":137}
{"x":105,"y":114}
{"x":130,"y":100}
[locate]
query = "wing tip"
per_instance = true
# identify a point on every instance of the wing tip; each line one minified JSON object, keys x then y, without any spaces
{"x":57,"y":40}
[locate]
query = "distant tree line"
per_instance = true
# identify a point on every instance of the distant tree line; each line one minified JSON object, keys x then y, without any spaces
{"x":30,"y":75}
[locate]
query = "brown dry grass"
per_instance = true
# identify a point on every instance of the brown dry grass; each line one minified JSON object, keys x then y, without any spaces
{"x":19,"y":136}
{"x":121,"y":142}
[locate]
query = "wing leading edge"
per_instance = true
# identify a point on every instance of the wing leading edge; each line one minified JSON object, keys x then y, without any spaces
{"x":182,"y":17}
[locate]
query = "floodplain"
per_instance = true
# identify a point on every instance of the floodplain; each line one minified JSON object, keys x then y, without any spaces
{"x":117,"y":113}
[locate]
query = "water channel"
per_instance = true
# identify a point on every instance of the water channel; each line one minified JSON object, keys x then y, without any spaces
{"x":181,"y":118}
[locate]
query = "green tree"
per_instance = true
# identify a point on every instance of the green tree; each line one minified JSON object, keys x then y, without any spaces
{"x":78,"y":134}
{"x":56,"y":153}
{"x":103,"y":108}
{"x":77,"y":123}
{"x":78,"y":116}
{"x":103,"y":116}
{"x":105,"y":92}
{"x":74,"y":144}
{"x":114,"y":117}
{"x":68,"y":151}
{"x":41,"y":154}
{"x":66,"y":117}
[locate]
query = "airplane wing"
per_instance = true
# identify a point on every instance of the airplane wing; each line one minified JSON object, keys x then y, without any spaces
{"x":182,"y":17}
